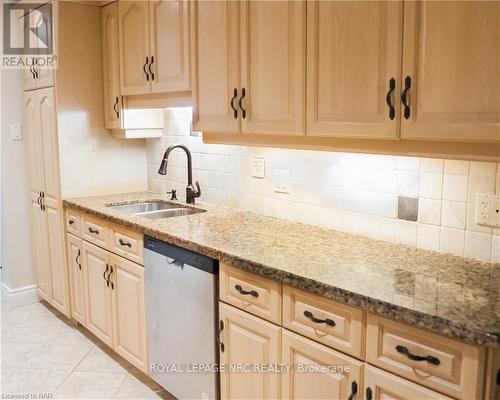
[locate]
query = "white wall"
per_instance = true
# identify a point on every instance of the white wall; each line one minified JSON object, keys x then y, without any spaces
{"x":348,"y":192}
{"x":15,"y":204}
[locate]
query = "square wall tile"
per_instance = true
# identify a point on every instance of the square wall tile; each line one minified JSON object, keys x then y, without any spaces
{"x":406,"y":232}
{"x":431,"y":185}
{"x":478,"y":245}
{"x":428,"y":236}
{"x":409,"y":163}
{"x":456,"y":167}
{"x":478,"y":168}
{"x":431,"y":165}
{"x":454,"y":214}
{"x":455,"y":187}
{"x":408,"y":183}
{"x":407,"y":208}
{"x":429,"y":211}
{"x":452,"y":241}
{"x":480,"y":184}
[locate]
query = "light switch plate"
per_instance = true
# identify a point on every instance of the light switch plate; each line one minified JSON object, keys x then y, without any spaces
{"x":258,"y":167}
{"x":488,"y":210}
{"x":281,"y":180}
{"x":16,"y":131}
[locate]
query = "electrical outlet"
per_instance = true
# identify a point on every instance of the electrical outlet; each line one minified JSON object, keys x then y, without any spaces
{"x":258,"y":167}
{"x":281,"y":180}
{"x":488,"y":210}
{"x":16,"y":132}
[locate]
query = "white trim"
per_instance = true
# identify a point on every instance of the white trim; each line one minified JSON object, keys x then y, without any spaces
{"x":20,"y":296}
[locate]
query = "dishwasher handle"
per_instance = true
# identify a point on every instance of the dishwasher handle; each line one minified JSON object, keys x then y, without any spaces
{"x":174,"y":262}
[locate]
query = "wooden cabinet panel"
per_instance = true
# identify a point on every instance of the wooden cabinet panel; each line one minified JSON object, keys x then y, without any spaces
{"x":248,"y":340}
{"x":55,"y":243}
{"x":273,"y":66}
{"x":134,"y":47}
{"x":98,"y":293}
{"x":111,"y":67}
{"x":216,"y":65}
{"x":170,"y":45}
{"x":354,"y":50}
{"x":341,"y":375}
{"x":127,"y":244}
{"x":48,"y":131}
{"x":456,"y":369}
{"x":35,"y":143}
{"x":77,"y":279}
{"x":452,"y":55}
{"x":41,"y":256}
{"x":345,"y":330}
{"x":95,"y":231}
{"x":381,"y":385}
{"x":129,"y":311}
{"x":250,"y":292}
{"x":73,"y":222}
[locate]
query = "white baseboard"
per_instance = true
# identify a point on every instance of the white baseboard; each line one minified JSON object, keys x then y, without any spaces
{"x":19,"y":297}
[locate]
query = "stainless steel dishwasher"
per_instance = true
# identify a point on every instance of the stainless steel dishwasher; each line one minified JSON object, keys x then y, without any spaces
{"x":181,"y":314}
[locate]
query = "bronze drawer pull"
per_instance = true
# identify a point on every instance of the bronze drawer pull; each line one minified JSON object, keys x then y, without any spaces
{"x":328,"y":321}
{"x":124,"y":243}
{"x":430,"y":359}
{"x":96,"y":231}
{"x":252,"y":293}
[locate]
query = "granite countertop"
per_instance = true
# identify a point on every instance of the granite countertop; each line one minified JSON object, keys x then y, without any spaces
{"x":454,"y":296}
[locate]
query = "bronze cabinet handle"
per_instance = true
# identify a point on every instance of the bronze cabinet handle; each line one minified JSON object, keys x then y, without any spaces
{"x":328,"y":321}
{"x":252,"y":293}
{"x":388,"y":98}
{"x":95,"y":231}
{"x":144,"y":68}
{"x":404,"y":98}
{"x":104,"y":275}
{"x":149,"y":68}
{"x":123,"y":243}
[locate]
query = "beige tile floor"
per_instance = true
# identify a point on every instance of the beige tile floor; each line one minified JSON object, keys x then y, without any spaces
{"x":42,"y":353}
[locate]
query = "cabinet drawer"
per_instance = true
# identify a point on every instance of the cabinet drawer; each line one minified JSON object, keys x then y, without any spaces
{"x":95,"y":231}
{"x":127,"y":244}
{"x":250,"y":292}
{"x":451,"y":367}
{"x":73,"y":223}
{"x":334,"y":324}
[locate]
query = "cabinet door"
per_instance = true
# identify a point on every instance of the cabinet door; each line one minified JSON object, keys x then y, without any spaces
{"x":382,"y":385}
{"x":98,"y":292}
{"x":217,"y":66}
{"x":452,"y":55}
{"x":170,"y":45}
{"x":305,"y":382}
{"x":48,"y":132}
{"x":134,"y":47}
{"x":129,"y":311}
{"x":354,"y":54}
{"x":111,"y":67}
{"x":55,"y":244}
{"x":41,"y":257}
{"x":35,"y":145}
{"x":273,"y":66}
{"x":77,"y":279}
{"x":248,"y":341}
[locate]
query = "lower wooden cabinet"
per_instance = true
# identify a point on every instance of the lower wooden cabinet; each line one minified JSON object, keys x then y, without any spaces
{"x":129,"y":318}
{"x":318,"y":372}
{"x":248,"y":342}
{"x":77,"y":274}
{"x":381,"y":385}
{"x":41,"y":257}
{"x":98,"y":292}
{"x":114,"y":300}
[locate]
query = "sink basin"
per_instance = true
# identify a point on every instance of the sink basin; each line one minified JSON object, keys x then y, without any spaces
{"x":135,"y":208}
{"x":173,"y":212}
{"x":155,"y":209}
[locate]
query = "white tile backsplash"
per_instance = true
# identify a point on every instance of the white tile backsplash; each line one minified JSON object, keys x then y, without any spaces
{"x":354,"y":193}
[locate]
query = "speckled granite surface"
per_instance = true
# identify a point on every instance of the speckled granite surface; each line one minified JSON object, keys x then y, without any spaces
{"x":454,"y":296}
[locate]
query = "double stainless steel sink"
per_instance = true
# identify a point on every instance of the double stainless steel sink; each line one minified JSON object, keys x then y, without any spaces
{"x":155,"y":209}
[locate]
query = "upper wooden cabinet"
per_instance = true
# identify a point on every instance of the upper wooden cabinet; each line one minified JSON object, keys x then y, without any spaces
{"x":250,"y":67}
{"x":354,"y":68}
{"x":451,"y":62}
{"x":216,"y":66}
{"x":273,"y":67}
{"x":154,"y":42}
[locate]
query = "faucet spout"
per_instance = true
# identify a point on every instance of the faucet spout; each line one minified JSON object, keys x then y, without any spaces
{"x":191,"y":191}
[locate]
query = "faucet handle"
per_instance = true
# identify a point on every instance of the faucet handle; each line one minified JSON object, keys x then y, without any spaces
{"x":198,"y":189}
{"x":173,"y":192}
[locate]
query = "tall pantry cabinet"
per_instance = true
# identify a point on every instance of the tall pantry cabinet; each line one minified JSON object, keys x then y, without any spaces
{"x":40,"y":126}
